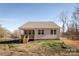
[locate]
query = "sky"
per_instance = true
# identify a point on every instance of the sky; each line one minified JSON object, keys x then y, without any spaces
{"x":12,"y":15}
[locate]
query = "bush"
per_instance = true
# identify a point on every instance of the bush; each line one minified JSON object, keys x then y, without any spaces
{"x":77,"y":49}
{"x":45,"y":44}
{"x":56,"y":45}
{"x":64,"y":46}
{"x":11,"y":45}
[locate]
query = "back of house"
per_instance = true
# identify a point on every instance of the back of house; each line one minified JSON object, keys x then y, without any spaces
{"x":40,"y":30}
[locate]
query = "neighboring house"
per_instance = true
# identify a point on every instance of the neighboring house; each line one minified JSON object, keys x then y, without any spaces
{"x":16,"y":34}
{"x":41,"y":30}
{"x":4,"y":33}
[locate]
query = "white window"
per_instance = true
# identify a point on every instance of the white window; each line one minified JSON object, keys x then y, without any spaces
{"x":53,"y":32}
{"x":40,"y":32}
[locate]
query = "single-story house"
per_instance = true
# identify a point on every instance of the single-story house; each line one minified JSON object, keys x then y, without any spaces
{"x":4,"y":33}
{"x":16,"y":34}
{"x":40,"y":30}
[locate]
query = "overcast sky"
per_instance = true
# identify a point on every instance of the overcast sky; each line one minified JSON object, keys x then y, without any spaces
{"x":13,"y":16}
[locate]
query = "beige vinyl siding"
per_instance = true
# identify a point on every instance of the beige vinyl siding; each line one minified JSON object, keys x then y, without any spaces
{"x":47,"y":34}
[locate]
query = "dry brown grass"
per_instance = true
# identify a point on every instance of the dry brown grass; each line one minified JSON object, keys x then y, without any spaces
{"x":36,"y":48}
{"x":72,"y":43}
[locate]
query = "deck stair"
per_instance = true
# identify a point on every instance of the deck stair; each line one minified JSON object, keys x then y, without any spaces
{"x":25,"y":38}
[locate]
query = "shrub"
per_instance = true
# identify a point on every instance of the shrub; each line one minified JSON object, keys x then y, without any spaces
{"x":64,"y":46}
{"x":56,"y":45}
{"x":11,"y":45}
{"x":45,"y":44}
{"x":77,"y":49}
{"x":51,"y":45}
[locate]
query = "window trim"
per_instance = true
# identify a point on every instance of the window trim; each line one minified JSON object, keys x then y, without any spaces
{"x":40,"y":32}
{"x":53,"y":31}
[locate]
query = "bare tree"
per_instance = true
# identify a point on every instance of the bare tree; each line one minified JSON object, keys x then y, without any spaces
{"x":75,"y":17}
{"x":64,"y":20}
{"x":71,"y":26}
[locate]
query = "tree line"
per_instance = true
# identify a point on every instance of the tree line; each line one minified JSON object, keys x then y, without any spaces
{"x":70,"y":24}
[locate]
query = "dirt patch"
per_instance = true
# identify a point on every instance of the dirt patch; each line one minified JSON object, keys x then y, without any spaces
{"x":72,"y":43}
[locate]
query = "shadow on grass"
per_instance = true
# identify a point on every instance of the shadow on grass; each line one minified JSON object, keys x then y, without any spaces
{"x":18,"y":41}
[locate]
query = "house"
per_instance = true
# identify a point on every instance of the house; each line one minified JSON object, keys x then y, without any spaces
{"x":4,"y":33}
{"x":40,"y":30}
{"x":16,"y":34}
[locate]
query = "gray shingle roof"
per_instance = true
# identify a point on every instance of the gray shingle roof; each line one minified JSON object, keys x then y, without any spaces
{"x":34,"y":25}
